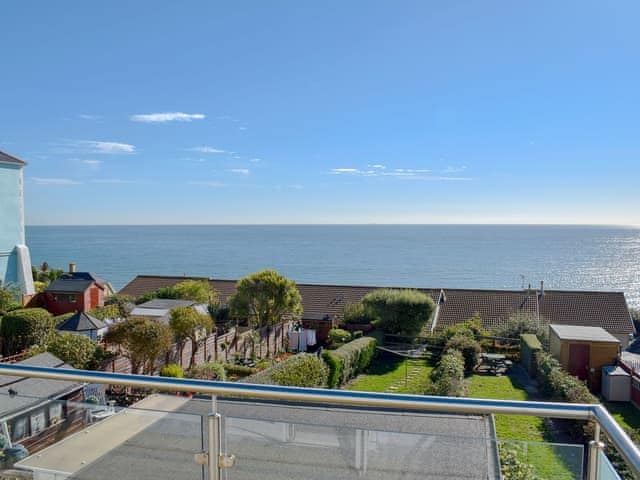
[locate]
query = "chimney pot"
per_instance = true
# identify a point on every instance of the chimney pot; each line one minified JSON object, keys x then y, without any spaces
{"x":72,"y":268}
{"x":541,"y":287}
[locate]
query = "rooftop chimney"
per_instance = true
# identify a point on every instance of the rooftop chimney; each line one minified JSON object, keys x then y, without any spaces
{"x":541,"y":288}
{"x":72,"y":268}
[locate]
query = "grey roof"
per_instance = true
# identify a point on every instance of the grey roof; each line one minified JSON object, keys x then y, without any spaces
{"x":29,"y":392}
{"x":166,"y":303}
{"x":580,"y":333}
{"x":81,"y":322}
{"x":10,"y":159}
{"x":69,"y":285}
{"x":292,"y":441}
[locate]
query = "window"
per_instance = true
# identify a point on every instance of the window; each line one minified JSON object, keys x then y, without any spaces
{"x":65,"y":298}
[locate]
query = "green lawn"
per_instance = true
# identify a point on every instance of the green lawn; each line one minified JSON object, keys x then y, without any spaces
{"x":625,"y":414}
{"x":548,"y":461}
{"x":386,"y":371}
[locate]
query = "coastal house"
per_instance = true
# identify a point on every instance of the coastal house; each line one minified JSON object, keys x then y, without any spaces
{"x":35,"y":412}
{"x":81,"y":323}
{"x":15,"y":261}
{"x":74,"y":292}
{"x":608,"y":310}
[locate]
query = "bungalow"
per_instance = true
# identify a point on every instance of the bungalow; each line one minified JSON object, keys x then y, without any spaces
{"x":82,"y":323}
{"x":607,"y":310}
{"x":35,"y":412}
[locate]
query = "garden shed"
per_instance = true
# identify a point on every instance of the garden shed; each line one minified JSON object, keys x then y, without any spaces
{"x":583,"y":351}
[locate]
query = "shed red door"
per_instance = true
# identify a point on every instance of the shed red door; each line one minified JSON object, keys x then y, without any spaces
{"x":579,"y":360}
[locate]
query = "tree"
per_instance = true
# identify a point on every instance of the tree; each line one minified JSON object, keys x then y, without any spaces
{"x":8,"y":298}
{"x":264,"y":297}
{"x":25,"y":327}
{"x":76,"y":350}
{"x":402,"y":312}
{"x":189,"y":324}
{"x":143,"y":341}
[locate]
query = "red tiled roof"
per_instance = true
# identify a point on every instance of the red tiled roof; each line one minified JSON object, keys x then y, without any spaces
{"x":598,"y":309}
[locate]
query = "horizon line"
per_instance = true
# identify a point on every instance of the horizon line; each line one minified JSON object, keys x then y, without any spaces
{"x":619,"y":225}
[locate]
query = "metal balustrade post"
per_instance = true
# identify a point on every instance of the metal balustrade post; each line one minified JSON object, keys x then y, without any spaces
{"x":595,"y":447}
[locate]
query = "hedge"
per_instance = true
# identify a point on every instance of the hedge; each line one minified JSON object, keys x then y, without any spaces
{"x":448,"y":376}
{"x":349,"y":360}
{"x":302,"y":370}
{"x":338,"y":335}
{"x":239,"y":370}
{"x":529,"y":348}
{"x":25,"y":327}
{"x":468,"y":347}
{"x":558,"y":384}
{"x":172,"y":370}
{"x":402,"y":312}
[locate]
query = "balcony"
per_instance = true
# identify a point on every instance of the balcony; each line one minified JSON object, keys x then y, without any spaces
{"x":242,"y":431}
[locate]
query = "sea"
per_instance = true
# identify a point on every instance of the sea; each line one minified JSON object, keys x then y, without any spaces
{"x":436,"y":256}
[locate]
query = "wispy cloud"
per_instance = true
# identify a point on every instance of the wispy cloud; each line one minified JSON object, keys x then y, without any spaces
{"x":207,"y":183}
{"x":164,"y":117}
{"x":54,"y":181}
{"x":402,"y":173}
{"x":255,"y":160}
{"x":94,"y":146}
{"x":459,"y":169}
{"x":85,"y":116}
{"x":92,"y":163}
{"x":206,"y":149}
{"x":239,"y":171}
{"x":111,"y":180}
{"x":377,"y":166}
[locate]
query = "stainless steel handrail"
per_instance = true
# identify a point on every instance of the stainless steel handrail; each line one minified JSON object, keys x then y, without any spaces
{"x":424,"y":403}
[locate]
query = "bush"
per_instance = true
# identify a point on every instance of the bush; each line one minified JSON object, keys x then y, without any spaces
{"x":337,"y":335}
{"x":511,"y":466}
{"x":560,"y":386}
{"x":356,"y":313}
{"x":302,"y":370}
{"x":520,"y":323}
{"x":402,"y":312}
{"x":25,"y":327}
{"x":239,"y":370}
{"x":172,"y":370}
{"x":76,"y":350}
{"x":349,"y":360}
{"x":208,"y":371}
{"x":356,"y":334}
{"x":470,"y":328}
{"x":448,"y":376}
{"x":468,"y":346}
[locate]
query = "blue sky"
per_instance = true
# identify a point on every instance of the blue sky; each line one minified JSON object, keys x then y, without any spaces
{"x":323,"y":112}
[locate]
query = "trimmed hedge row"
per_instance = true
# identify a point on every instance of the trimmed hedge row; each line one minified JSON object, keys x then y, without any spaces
{"x":448,"y":376}
{"x":302,"y":370}
{"x":349,"y":360}
{"x":558,"y":384}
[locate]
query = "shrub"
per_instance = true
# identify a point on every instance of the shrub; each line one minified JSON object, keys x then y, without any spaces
{"x":349,"y":360}
{"x":470,"y":328}
{"x":520,"y":323}
{"x":25,"y":327}
{"x":356,"y":334}
{"x":239,"y":370}
{"x":448,"y":376}
{"x":338,"y":335}
{"x":511,"y":466}
{"x":402,"y":312}
{"x":302,"y":370}
{"x":468,"y":346}
{"x":76,"y":350}
{"x":356,"y":313}
{"x":172,"y":370}
{"x":208,"y":371}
